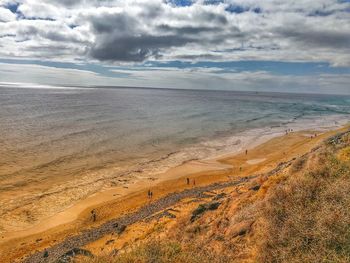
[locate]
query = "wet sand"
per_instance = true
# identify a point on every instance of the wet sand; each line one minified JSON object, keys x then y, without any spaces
{"x":120,"y":201}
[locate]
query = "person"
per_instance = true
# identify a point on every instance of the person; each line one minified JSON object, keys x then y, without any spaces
{"x":93,"y":215}
{"x":188,"y":181}
{"x":149,"y":193}
{"x":246,"y":152}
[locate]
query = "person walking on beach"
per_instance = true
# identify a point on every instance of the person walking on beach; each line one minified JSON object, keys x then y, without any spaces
{"x":149,"y":194}
{"x":93,"y":215}
{"x":188,"y":180}
{"x":246,"y":152}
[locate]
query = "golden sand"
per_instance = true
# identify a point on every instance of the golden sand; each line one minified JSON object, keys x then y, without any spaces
{"x":119,"y":201}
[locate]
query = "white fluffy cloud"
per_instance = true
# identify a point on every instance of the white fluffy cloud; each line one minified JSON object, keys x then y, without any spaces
{"x":6,"y":15}
{"x":114,"y":31}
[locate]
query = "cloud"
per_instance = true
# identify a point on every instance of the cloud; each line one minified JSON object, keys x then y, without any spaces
{"x":6,"y":15}
{"x":135,"y":32}
{"x":119,"y":37}
{"x":115,"y":31}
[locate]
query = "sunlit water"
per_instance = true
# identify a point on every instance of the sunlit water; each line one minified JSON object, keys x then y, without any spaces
{"x":82,"y":140}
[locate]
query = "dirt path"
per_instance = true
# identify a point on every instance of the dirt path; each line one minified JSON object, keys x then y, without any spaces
{"x":55,"y":252}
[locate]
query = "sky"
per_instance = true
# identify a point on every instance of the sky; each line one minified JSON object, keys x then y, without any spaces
{"x":259,"y":45}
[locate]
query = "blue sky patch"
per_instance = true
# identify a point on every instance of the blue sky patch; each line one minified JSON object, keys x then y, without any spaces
{"x":12,"y":7}
{"x":241,"y":9}
{"x":181,"y":2}
{"x":273,"y":67}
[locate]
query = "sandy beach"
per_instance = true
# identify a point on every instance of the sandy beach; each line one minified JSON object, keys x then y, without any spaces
{"x":262,"y":156}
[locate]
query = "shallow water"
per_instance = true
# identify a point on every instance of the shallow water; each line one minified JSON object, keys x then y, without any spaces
{"x":82,"y":140}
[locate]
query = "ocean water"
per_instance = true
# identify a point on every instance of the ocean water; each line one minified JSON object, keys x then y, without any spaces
{"x":81,"y":140}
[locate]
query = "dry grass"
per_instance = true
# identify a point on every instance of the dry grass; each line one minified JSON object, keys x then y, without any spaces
{"x":303,"y":217}
{"x":164,"y":251}
{"x":307,"y":219}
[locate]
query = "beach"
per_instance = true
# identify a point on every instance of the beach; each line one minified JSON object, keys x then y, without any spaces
{"x":65,"y":152}
{"x":60,"y":146}
{"x":119,"y":201}
{"x":27,"y":206}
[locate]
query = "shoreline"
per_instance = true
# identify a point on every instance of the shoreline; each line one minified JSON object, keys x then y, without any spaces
{"x":72,"y":194}
{"x":111,"y":203}
{"x":248,"y":139}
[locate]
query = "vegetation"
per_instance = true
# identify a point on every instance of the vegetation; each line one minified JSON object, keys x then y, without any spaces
{"x":304,"y":217}
{"x":307,"y":218}
{"x":162,"y":252}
